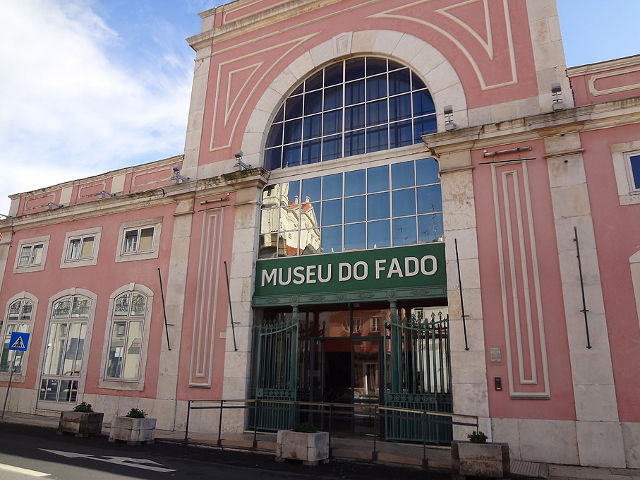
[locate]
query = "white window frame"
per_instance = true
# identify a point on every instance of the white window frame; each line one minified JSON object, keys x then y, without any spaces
{"x":375,"y":322}
{"x":32,"y":242}
{"x":155,"y":223}
{"x":66,"y":262}
{"x":43,"y":405}
{"x":621,"y":154}
{"x":122,"y":384}
{"x":18,"y":377}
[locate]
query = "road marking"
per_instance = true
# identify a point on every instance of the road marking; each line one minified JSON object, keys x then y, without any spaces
{"x":23,"y":471}
{"x":143,"y":463}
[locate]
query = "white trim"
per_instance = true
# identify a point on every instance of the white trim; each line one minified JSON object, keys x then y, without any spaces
{"x":622,"y":88}
{"x":534,"y":261}
{"x":58,"y":406}
{"x":206,"y":301}
{"x":628,"y":194}
{"x":115,"y":384}
{"x":82,"y":262}
{"x":32,"y":241}
{"x":156,"y":223}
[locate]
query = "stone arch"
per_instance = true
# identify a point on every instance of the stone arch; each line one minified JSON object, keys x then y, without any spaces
{"x":436,"y":71}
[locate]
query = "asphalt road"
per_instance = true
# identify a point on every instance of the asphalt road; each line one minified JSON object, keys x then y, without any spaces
{"x":29,"y":453}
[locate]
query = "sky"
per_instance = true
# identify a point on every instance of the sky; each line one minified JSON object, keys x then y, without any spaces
{"x":89,"y":86}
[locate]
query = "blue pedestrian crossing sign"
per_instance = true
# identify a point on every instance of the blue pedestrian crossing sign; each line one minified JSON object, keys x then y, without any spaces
{"x":19,"y":341}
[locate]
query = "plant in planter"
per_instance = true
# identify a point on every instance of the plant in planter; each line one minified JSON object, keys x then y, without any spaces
{"x":304,"y":443}
{"x":134,"y":428}
{"x":82,"y":421}
{"x":477,"y":458}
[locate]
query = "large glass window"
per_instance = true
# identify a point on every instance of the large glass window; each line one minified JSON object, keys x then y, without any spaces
{"x":352,"y":107}
{"x":389,"y":205}
{"x":63,"y":354}
{"x":125,"y":343}
{"x":18,"y":319}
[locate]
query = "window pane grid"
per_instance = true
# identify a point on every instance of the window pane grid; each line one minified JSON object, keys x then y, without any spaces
{"x":389,"y":205}
{"x":366,"y":104}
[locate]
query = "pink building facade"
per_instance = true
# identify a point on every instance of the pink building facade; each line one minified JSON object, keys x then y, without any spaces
{"x":399,"y":161}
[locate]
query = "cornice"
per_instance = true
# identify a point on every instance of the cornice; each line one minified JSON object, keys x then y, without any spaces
{"x":101,"y":176}
{"x":256,"y":21}
{"x":233,"y":181}
{"x":603,"y":66}
{"x":578,"y":119}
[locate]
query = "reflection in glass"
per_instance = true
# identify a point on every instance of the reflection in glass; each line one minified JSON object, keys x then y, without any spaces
{"x":291,"y":155}
{"x":404,"y":231}
{"x":376,"y":87}
{"x":331,"y":212}
{"x":354,"y":68}
{"x":424,"y":126}
{"x":354,"y":117}
{"x":332,"y":239}
{"x":430,"y":228}
{"x":402,"y":175}
{"x":429,"y":199}
{"x":275,"y":135}
{"x":311,"y":189}
{"x":300,"y":217}
{"x":377,"y":179}
{"x":354,"y":209}
{"x":427,"y":171}
{"x":293,"y":130}
{"x":293,"y":107}
{"x":378,"y":234}
{"x":354,"y":236}
{"x":378,"y":206}
{"x":333,"y":74}
{"x":332,"y":186}
{"x":404,"y":202}
{"x":332,"y":122}
{"x":354,"y":183}
{"x":354,"y":92}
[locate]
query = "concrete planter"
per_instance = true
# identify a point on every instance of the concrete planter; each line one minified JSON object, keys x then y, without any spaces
{"x":132,"y":430}
{"x":480,"y":459}
{"x":81,"y":424}
{"x":311,"y":448}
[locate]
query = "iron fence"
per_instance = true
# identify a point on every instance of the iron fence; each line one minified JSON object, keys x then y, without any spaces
{"x":324,"y":416}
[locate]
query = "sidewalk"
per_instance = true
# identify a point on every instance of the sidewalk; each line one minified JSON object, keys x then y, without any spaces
{"x":360,"y":450}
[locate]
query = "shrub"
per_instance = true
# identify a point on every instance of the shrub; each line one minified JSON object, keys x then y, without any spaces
{"x":83,"y":407}
{"x":305,"y":427}
{"x":477,"y":437}
{"x":136,"y":413}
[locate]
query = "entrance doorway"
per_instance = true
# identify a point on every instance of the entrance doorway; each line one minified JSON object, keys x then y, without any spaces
{"x":356,"y":357}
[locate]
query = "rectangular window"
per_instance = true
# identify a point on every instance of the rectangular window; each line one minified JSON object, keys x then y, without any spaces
{"x":80,"y":248}
{"x":138,"y":240}
{"x":374,"y":324}
{"x":30,"y":255}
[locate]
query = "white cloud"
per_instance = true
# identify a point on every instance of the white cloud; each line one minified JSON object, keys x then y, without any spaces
{"x":70,"y":108}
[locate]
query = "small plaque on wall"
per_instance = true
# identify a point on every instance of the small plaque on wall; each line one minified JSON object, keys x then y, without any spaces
{"x":496,"y":354}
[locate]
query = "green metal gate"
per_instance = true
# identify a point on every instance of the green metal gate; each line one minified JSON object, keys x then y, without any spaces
{"x":418,"y":376}
{"x":276,"y":371}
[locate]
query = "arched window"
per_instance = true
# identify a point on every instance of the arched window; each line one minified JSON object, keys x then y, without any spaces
{"x":18,"y":319}
{"x":64,"y":352}
{"x":354,"y":106}
{"x":126,"y":337}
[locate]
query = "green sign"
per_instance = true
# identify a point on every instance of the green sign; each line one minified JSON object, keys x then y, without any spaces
{"x":411,"y":272}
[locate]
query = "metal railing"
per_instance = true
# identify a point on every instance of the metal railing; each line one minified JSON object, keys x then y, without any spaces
{"x":327,"y":413}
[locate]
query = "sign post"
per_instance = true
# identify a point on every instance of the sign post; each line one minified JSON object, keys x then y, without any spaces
{"x":19,"y":342}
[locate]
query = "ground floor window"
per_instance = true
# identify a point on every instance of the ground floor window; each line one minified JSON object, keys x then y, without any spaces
{"x":18,"y":319}
{"x":64,"y":351}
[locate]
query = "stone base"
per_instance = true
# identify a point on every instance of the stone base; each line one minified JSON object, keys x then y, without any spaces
{"x":310,"y":448}
{"x":132,"y":430}
{"x":80,"y":424}
{"x":480,"y":459}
